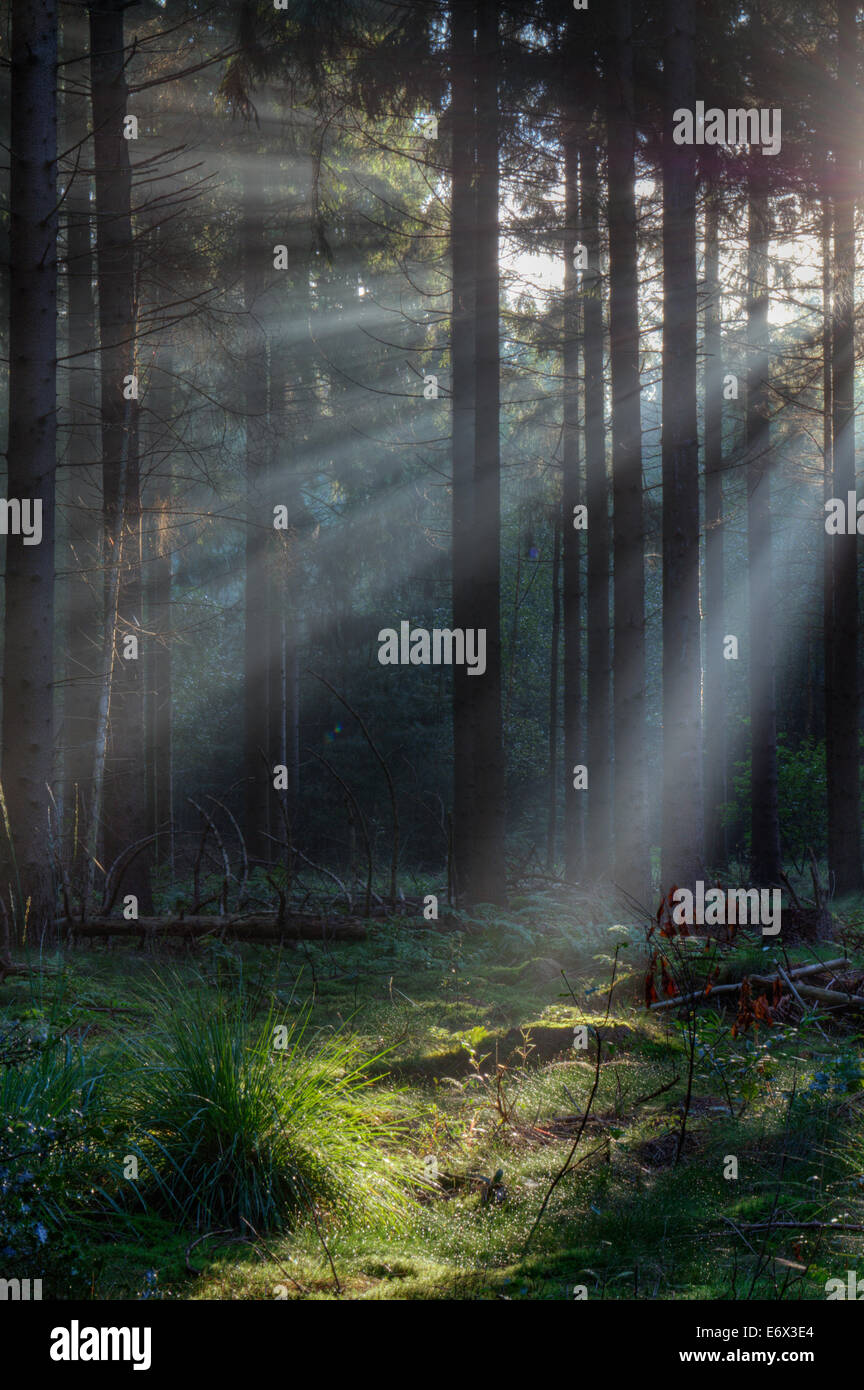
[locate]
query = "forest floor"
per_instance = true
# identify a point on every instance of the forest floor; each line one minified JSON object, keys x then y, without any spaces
{"x":483,"y":1095}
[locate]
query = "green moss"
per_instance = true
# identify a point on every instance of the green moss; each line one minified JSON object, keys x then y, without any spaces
{"x":478,"y":1074}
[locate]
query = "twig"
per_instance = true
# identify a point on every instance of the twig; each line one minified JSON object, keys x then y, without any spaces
{"x":612,"y":984}
{"x":779,"y":1184}
{"x":276,"y":1261}
{"x":803,"y":1226}
{"x":562,"y":1172}
{"x":661,"y":1090}
{"x":244,"y":857}
{"x":225,"y":1231}
{"x":739,"y":1232}
{"x":226,"y":864}
{"x":784,"y":878}
{"x":319,"y":868}
{"x":320,"y":1234}
{"x":791,"y":985}
{"x":121,"y":864}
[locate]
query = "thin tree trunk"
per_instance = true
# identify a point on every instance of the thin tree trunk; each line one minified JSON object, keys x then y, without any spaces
{"x":828,"y":488}
{"x":124,"y":798}
{"x":514,"y":632}
{"x":276,"y":599}
{"x":843,"y":770}
{"x":598,"y":836}
{"x":682,"y":842}
{"x":766,"y":863}
{"x":631,"y":864}
{"x":28,"y":676}
{"x":463,"y":406}
{"x":159,"y":685}
{"x":487,"y":869}
{"x":571,"y":497}
{"x":82,"y":592}
{"x":552,"y":824}
{"x":293,"y":413}
{"x":291,"y":397}
{"x":257,"y":762}
{"x":160,"y":761}
{"x":107,"y":682}
{"x":714,"y":607}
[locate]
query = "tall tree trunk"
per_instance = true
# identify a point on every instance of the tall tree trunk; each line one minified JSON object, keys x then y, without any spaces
{"x":682,"y":847}
{"x":159,"y":683}
{"x":765,"y":860}
{"x":714,"y":608}
{"x":292,"y":391}
{"x":598,"y":750}
{"x":571,"y":497}
{"x":827,"y":486}
{"x":552,"y":824}
{"x":631,"y":864}
{"x":843,"y":769}
{"x":487,"y":868}
{"x":83,"y":608}
{"x":257,"y":761}
{"x":124,"y":800}
{"x":463,"y":406}
{"x":277,"y":707}
{"x":159,"y":724}
{"x":295,"y":411}
{"x":28,"y":675}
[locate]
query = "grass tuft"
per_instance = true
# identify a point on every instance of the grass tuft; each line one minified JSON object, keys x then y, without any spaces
{"x":235,"y":1129}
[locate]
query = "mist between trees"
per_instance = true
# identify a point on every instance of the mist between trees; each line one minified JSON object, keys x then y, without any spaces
{"x":325,"y":322}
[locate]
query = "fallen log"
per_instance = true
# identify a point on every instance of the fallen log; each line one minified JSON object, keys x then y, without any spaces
{"x":10,"y":967}
{"x":694,"y":998}
{"x":245,"y":927}
{"x":767,"y":980}
{"x":816,"y":968}
{"x":830,"y":996}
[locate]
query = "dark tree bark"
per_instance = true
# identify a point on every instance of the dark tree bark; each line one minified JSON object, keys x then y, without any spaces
{"x":842,"y":718}
{"x":258,"y":759}
{"x":555,"y":638}
{"x":282,"y":738}
{"x":293,"y":408}
{"x":28,"y":676}
{"x":285,"y":572}
{"x":766,"y":863}
{"x":598,"y":837}
{"x":682,"y":839}
{"x":827,"y":484}
{"x":463,"y":408}
{"x":571,"y":497}
{"x":714,"y":708}
{"x":160,"y":813}
{"x":487,"y":869}
{"x":124,"y":808}
{"x":631,"y":865}
{"x":159,"y":721}
{"x":83,"y":609}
